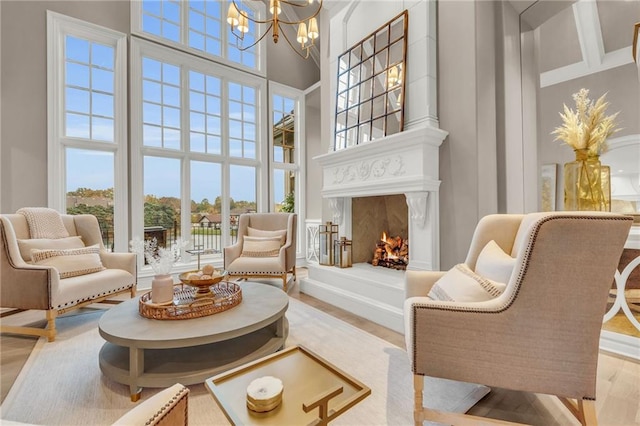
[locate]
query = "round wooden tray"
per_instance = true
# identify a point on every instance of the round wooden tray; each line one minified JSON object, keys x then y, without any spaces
{"x":224,"y":295}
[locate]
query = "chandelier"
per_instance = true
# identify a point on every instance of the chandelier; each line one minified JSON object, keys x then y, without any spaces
{"x":307,"y":33}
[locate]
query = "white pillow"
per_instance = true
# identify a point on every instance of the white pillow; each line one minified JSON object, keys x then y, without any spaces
{"x":282,"y":233}
{"x":461,"y":284}
{"x":27,"y":245}
{"x":70,"y":262}
{"x":261,"y":246}
{"x":493,"y":263}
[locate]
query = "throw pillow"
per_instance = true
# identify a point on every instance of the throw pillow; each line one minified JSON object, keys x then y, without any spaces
{"x":261,"y":246}
{"x":70,"y":262}
{"x":461,"y":284}
{"x":493,"y":263}
{"x":282,"y":233}
{"x":27,"y":245}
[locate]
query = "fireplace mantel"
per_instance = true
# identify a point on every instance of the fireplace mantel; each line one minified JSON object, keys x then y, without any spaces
{"x":404,"y":163}
{"x":400,"y":163}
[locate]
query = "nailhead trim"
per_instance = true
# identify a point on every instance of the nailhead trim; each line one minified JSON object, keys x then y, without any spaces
{"x":521,"y":275}
{"x":163,"y":411}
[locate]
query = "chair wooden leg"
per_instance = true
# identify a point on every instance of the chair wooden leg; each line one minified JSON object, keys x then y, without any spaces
{"x":294,"y":274}
{"x":284,"y":282}
{"x":418,"y":386}
{"x":133,"y":291}
{"x":51,"y":324}
{"x":587,"y":410}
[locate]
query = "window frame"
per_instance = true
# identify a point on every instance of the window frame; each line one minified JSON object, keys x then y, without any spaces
{"x":58,"y":27}
{"x":261,"y":51}
{"x":299,"y":154}
{"x":140,"y":48}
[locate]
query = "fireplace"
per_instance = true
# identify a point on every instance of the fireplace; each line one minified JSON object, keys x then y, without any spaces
{"x":373,"y":215}
{"x":390,"y":184}
{"x":393,"y":180}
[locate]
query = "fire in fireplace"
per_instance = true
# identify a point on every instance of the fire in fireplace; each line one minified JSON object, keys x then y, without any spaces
{"x":391,"y":252}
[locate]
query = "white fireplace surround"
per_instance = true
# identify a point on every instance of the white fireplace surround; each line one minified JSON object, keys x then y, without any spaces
{"x":404,"y":163}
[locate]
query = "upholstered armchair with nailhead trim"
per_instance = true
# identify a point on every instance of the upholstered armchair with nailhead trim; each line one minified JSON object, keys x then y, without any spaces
{"x":266,"y":247}
{"x":169,"y":407}
{"x":541,"y":333}
{"x":26,"y":285}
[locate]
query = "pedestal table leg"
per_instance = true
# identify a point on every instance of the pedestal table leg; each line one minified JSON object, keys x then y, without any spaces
{"x":136,"y":368}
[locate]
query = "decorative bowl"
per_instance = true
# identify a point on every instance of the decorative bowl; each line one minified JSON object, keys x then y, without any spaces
{"x":202,"y":286}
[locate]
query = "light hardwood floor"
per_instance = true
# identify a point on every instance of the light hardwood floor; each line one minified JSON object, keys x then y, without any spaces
{"x":618,"y":386}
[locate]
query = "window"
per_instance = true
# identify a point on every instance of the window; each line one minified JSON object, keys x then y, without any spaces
{"x":287,"y":120}
{"x":200,"y":27}
{"x":161,"y":104}
{"x":196,"y":135}
{"x":87,"y":126}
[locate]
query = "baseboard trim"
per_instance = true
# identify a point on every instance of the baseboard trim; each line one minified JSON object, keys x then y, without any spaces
{"x":620,"y":344}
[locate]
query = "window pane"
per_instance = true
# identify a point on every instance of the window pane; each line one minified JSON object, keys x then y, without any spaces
{"x":242,"y":189}
{"x":102,"y":129}
{"x":161,"y":188}
{"x":77,"y":100}
{"x":283,"y":129}
{"x":152,"y":136}
{"x":77,"y":75}
{"x":77,"y":126}
{"x":283,"y":190}
{"x":151,"y":69}
{"x":77,"y":49}
{"x":206,"y":205}
{"x":102,"y":80}
{"x":102,"y":104}
{"x":102,"y":56}
{"x":151,"y":113}
{"x":90,"y":186}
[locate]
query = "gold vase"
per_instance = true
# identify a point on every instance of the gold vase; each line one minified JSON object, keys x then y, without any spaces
{"x":587,"y":184}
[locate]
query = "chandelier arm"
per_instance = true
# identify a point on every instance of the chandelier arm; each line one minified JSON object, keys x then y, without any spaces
{"x":254,"y":20}
{"x":302,"y":20}
{"x":256,"y":42}
{"x":295,"y":49}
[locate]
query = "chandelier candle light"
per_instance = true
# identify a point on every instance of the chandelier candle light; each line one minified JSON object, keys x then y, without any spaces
{"x":307,"y":33}
{"x":587,"y":183}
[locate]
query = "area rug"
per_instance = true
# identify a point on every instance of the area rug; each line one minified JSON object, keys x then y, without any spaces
{"x":61,"y":383}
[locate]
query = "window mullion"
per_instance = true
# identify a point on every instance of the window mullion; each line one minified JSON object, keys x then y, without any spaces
{"x":185,"y":125}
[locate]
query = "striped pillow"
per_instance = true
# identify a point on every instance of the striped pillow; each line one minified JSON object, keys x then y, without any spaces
{"x":461,"y":284}
{"x":261,"y":246}
{"x":70,"y":262}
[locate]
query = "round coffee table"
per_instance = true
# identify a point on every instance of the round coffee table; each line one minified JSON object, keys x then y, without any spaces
{"x":142,"y":352}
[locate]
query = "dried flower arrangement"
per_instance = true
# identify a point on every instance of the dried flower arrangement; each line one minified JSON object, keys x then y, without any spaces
{"x":588,"y":127}
{"x":161,"y":259}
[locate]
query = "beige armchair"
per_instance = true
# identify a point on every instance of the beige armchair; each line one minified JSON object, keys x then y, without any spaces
{"x":169,"y":407}
{"x":28,"y":286}
{"x":240,"y":263}
{"x":542,"y":333}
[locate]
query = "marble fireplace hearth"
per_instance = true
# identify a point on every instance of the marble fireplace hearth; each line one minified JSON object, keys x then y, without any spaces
{"x":404,"y":164}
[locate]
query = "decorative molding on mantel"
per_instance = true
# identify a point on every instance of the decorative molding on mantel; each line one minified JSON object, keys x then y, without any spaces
{"x":417,"y":202}
{"x":403,"y":162}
